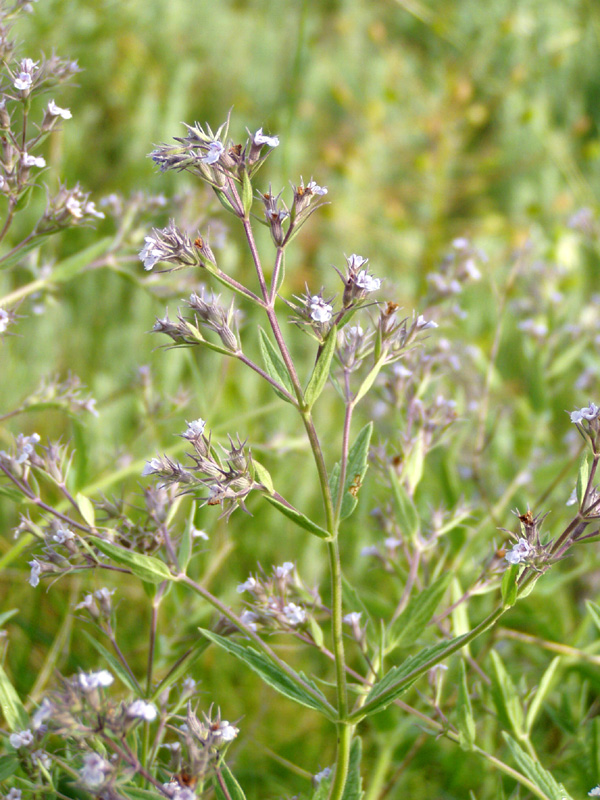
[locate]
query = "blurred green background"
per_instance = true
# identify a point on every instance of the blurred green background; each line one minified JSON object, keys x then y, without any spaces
{"x":426,"y":121}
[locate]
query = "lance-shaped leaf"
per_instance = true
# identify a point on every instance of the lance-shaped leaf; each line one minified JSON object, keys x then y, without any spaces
{"x":582,"y":478}
{"x":506,"y":697}
{"x":414,"y":619}
{"x":274,"y":365}
{"x":406,"y":513}
{"x":355,"y":472}
{"x":289,"y":683}
{"x":230,"y":788}
{"x":535,"y":772}
{"x":148,"y":568}
{"x":11,"y":706}
{"x":296,"y":516}
{"x":353,"y":788}
{"x":318,"y":379}
{"x":541,"y":693}
{"x":510,"y":587}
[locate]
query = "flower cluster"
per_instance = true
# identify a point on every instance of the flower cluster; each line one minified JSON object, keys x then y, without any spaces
{"x":278,"y":599}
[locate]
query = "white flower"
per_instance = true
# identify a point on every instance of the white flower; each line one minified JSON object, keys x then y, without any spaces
{"x":152,"y":467}
{"x":63,"y":535}
{"x":284,"y":569}
{"x":572,"y":497}
{"x":588,"y":413}
{"x":214,"y":153}
{"x":4,"y":320}
{"x":370,"y":550}
{"x":39,"y":757}
{"x":142,"y":710}
{"x":57,"y":111}
{"x":471,"y":269}
{"x":93,"y":680}
{"x":195,"y":429}
{"x":23,"y":82}
{"x":87,"y":603}
{"x":14,"y":794}
{"x":90,"y":208}
{"x":21,"y":739}
{"x":294,"y":614}
{"x":34,"y":577}
{"x":189,"y":685}
{"x":367,"y":282}
{"x":320,"y":311}
{"x":42,"y":714}
{"x":150,"y":254}
{"x":595,"y":792}
{"x":423,"y":324}
{"x":32,"y":161}
{"x":353,"y":618}
{"x":247,"y":586}
{"x":401,"y":371}
{"x":325,"y":773}
{"x":94,"y":769}
{"x":519,"y":553}
{"x":260,"y":138}
{"x":537,"y":329}
{"x":355,"y":262}
{"x":249,"y":619}
{"x":225,"y":731}
{"x":392,"y":543}
{"x":316,"y":189}
{"x":74,"y":207}
{"x":104,"y":593}
{"x":198,"y":534}
{"x":460,"y":244}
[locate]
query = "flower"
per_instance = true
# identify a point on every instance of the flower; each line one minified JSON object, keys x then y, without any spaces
{"x":42,"y":714}
{"x":94,"y":769}
{"x":519,"y":553}
{"x":595,"y":792}
{"x":57,"y":111}
{"x":314,"y":188}
{"x":223,"y":730}
{"x":32,"y":161}
{"x":93,"y":680}
{"x":260,"y":138}
{"x":142,"y":710}
{"x":367,"y":282}
{"x":284,"y":569}
{"x":249,"y":619}
{"x":24,"y":80}
{"x":21,"y":739}
{"x":323,"y":775}
{"x":355,"y":262}
{"x":195,"y":429}
{"x":214,"y":153}
{"x":353,"y":618}
{"x":14,"y":794}
{"x":198,"y":534}
{"x":320,"y":311}
{"x":588,"y":413}
{"x":34,"y":577}
{"x":4,"y":320}
{"x":423,"y":324}
{"x":63,"y":535}
{"x":152,"y":467}
{"x":248,"y":585}
{"x":294,"y":614}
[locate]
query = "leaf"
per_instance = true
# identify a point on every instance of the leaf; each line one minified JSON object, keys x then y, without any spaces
{"x":535,"y":772}
{"x":148,"y":568}
{"x":541,"y":693}
{"x":582,"y":478}
{"x":8,"y":615}
{"x":352,"y":599}
{"x":69,"y":268}
{"x":412,"y":469}
{"x":12,"y":708}
{"x":8,"y":766}
{"x":272,"y":674}
{"x":406,"y":512}
{"x":247,"y":196}
{"x":300,"y":519}
{"x":13,"y":494}
{"x":233,"y":789}
{"x":594,"y":611}
{"x":506,"y":698}
{"x":355,"y":472}
{"x":414,"y":619}
{"x":318,"y":379}
{"x":263,"y":476}
{"x":353,"y":788}
{"x":510,"y":587}
{"x":274,"y":366}
{"x":114,"y":664}
{"x":466,"y":723}
{"x":86,"y":509}
{"x":222,"y":198}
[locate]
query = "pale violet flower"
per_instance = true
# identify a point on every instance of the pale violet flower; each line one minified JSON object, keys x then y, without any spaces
{"x":353,"y":618}
{"x":370,"y":550}
{"x":314,"y":187}
{"x":34,"y":576}
{"x":595,"y":792}
{"x":189,"y":685}
{"x":151,"y":253}
{"x":214,"y":153}
{"x":26,"y":446}
{"x":94,"y":680}
{"x":57,"y":111}
{"x":225,"y":731}
{"x":94,"y":770}
{"x":323,"y":775}
{"x":471,"y":269}
{"x":142,"y":710}
{"x":198,"y":534}
{"x":537,"y":329}
{"x":249,"y":619}
{"x":63,"y":535}
{"x":519,"y":553}
{"x":588,"y":413}
{"x":367,"y":282}
{"x":284,"y":569}
{"x":460,"y":243}
{"x":195,"y":429}
{"x":90,"y":208}
{"x":42,"y":714}
{"x":355,"y":262}
{"x":294,"y":614}
{"x":247,"y":586}
{"x":320,"y":311}
{"x":423,"y":324}
{"x":261,"y":138}
{"x":24,"y":80}
{"x":21,"y":739}
{"x":87,"y":603}
{"x":14,"y":794}
{"x":152,"y":467}
{"x":4,"y":320}
{"x":32,"y":161}
{"x":392,"y":542}
{"x":572,"y":497}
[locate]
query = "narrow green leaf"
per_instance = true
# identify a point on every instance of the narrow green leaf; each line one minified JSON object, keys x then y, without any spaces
{"x":247,"y":196}
{"x":414,"y":619}
{"x":8,"y":615}
{"x":233,"y":789}
{"x":274,"y":366}
{"x":316,"y":632}
{"x":594,"y":611}
{"x":86,"y":509}
{"x":535,"y":772}
{"x":8,"y":766}
{"x":369,"y":380}
{"x":69,"y":268}
{"x":300,"y":519}
{"x":510,"y":587}
{"x":114,"y":664}
{"x":582,"y":478}
{"x":148,"y":568}
{"x":263,"y":476}
{"x":222,"y":198}
{"x":274,"y":676}
{"x":184,"y":553}
{"x":466,"y":722}
{"x":318,"y":379}
{"x":414,"y":462}
{"x":353,"y":788}
{"x":355,"y":472}
{"x":11,"y":706}
{"x":406,"y":512}
{"x":506,"y":698}
{"x":541,"y":693}
{"x":14,"y":495}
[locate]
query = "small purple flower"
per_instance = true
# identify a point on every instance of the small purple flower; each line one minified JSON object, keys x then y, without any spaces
{"x":94,"y":770}
{"x":595,"y":792}
{"x":323,"y":775}
{"x":21,"y":739}
{"x":57,"y":111}
{"x":423,"y":324}
{"x":214,"y":152}
{"x":24,"y":80}
{"x":314,"y":188}
{"x":32,"y":161}
{"x":4,"y":320}
{"x":34,"y":577}
{"x":248,"y":585}
{"x":94,"y":680}
{"x":294,"y":614}
{"x":249,"y":619}
{"x":320,"y":311}
{"x":284,"y":569}
{"x":142,"y":710}
{"x":588,"y":413}
{"x":367,"y":282}
{"x":353,"y":618}
{"x":260,"y":138}
{"x":194,"y":429}
{"x":520,"y":552}
{"x":152,"y":467}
